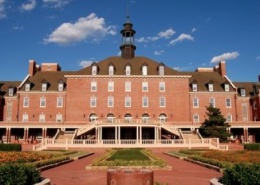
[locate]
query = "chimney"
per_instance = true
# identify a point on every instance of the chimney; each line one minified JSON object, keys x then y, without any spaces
{"x":222,"y":68}
{"x":258,"y":78}
{"x":32,"y":67}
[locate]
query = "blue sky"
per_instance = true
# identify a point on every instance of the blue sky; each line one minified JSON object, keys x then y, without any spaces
{"x":183,"y":34}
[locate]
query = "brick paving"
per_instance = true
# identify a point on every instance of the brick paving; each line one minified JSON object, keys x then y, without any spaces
{"x":182,"y":173}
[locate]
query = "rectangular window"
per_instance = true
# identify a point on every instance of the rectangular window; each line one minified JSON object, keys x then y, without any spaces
{"x":60,"y":87}
{"x":226,"y":87}
{"x":162,"y":102}
{"x":93,"y":86}
{"x":229,"y":118}
{"x":211,"y":87}
{"x":161,"y":70}
{"x":26,"y":102}
{"x":44,"y":87}
{"x":25,"y":117}
{"x":110,"y":86}
{"x":212,"y":102}
{"x":43,"y":102}
{"x":145,"y":86}
{"x":255,"y":105}
{"x":127,"y":101}
{"x":11,"y":91}
{"x":42,"y":118}
{"x":60,"y":102}
{"x":196,"y":118}
{"x":145,"y":101}
{"x":194,"y":87}
{"x":127,"y":86}
{"x":195,"y":102}
{"x":27,"y":87}
{"x":110,"y":101}
{"x":162,"y":86}
{"x":59,"y":118}
{"x":228,"y":103}
{"x":243,"y":92}
{"x":93,"y":101}
{"x":244,"y":112}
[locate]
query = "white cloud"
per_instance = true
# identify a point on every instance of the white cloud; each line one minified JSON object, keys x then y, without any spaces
{"x":181,"y":68}
{"x":159,"y":52}
{"x":119,"y":53}
{"x":29,"y":6}
{"x":181,"y":38}
{"x":258,"y":58}
{"x":85,"y":28}
{"x":56,"y":3}
{"x":163,"y":34}
{"x":2,"y":9}
{"x":17,"y":27}
{"x":85,"y":63}
{"x":193,"y":30}
{"x":224,"y":56}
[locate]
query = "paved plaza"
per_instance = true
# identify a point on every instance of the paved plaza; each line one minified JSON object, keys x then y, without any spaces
{"x":182,"y":173}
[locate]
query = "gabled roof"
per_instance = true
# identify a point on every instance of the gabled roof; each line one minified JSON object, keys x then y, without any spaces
{"x":248,"y":86}
{"x":6,"y":85}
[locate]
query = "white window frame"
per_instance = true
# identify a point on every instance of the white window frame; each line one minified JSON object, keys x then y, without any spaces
{"x":229,"y":117}
{"x":145,"y":102}
{"x":128,"y":70}
{"x":27,"y":87}
{"x":59,"y":118}
{"x":43,"y":102}
{"x":227,"y":87}
{"x":25,"y":117}
{"x":59,"y":101}
{"x":110,"y":86}
{"x":111,"y":70}
{"x":228,"y":102}
{"x":26,"y":101}
{"x":195,"y":102}
{"x":161,"y":70}
{"x":11,"y":91}
{"x":255,"y":105}
{"x":144,"y":70}
{"x":42,"y":117}
{"x":94,"y":70}
{"x":212,"y":101}
{"x":211,"y":87}
{"x":93,"y":86}
{"x":162,"y":86}
{"x":110,"y":101}
{"x":243,"y":92}
{"x":196,"y":118}
{"x":93,"y":101}
{"x":127,"y":101}
{"x":144,"y":86}
{"x":60,"y":87}
{"x":44,"y":87}
{"x":127,"y":86}
{"x":194,"y":87}
{"x":162,"y":101}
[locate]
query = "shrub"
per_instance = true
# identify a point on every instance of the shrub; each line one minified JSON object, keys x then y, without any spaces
{"x":242,"y":174}
{"x":18,"y":174}
{"x":49,"y":161}
{"x":252,"y":146}
{"x":213,"y":162}
{"x":10,"y":147}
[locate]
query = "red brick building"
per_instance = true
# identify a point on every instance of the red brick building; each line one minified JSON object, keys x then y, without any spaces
{"x":127,"y":97}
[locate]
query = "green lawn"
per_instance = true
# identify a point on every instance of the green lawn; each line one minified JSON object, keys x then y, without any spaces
{"x":129,"y":155}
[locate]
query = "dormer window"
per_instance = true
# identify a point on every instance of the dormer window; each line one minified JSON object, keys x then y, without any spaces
{"x":194,"y":87}
{"x":128,"y":70}
{"x":60,"y":85}
{"x":242,"y":92}
{"x":11,"y":91}
{"x":161,"y":70}
{"x":226,"y":86}
{"x":27,"y":87}
{"x":44,"y":85}
{"x":144,"y":70}
{"x":111,"y":70}
{"x":94,"y":70}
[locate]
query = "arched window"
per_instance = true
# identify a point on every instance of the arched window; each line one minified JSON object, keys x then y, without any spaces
{"x":128,"y":70}
{"x":110,"y":118}
{"x":111,"y":70}
{"x":93,"y":117}
{"x":94,"y":70}
{"x":162,"y":117}
{"x":128,"y":118}
{"x":145,"y":118}
{"x":144,"y":70}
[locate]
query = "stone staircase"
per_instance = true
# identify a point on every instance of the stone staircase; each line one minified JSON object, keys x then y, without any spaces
{"x":66,"y":135}
{"x":172,"y":129}
{"x":85,"y":129}
{"x":190,"y":135}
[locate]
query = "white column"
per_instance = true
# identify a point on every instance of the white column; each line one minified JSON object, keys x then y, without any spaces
{"x":155,"y":134}
{"x":116,"y":133}
{"x":136,"y":133}
{"x":141,"y":134}
{"x":119,"y":137}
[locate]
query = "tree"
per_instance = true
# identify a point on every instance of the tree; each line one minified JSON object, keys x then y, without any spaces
{"x":215,"y":125}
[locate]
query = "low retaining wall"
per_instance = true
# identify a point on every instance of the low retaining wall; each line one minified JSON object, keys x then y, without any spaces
{"x":44,"y":182}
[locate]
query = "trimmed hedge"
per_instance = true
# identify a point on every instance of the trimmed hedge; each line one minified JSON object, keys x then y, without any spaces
{"x":10,"y":147}
{"x":252,"y":146}
{"x":18,"y":174}
{"x":41,"y":163}
{"x":214,"y":162}
{"x":242,"y":174}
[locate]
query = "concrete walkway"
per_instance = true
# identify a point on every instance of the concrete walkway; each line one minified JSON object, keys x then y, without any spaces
{"x":183,"y":173}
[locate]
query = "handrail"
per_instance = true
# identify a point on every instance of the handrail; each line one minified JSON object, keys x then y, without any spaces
{"x":57,"y":133}
{"x":198,"y":133}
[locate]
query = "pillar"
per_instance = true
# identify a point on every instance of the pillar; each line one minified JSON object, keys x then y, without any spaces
{"x":116,"y":133}
{"x":141,"y":137}
{"x":119,"y":134}
{"x":43,"y":133}
{"x":137,"y":134}
{"x":96,"y":133}
{"x":25,"y":135}
{"x":245,"y":134}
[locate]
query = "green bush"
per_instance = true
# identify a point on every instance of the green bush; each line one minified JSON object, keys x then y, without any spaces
{"x":10,"y":147}
{"x":18,"y":174}
{"x":41,"y":163}
{"x":213,"y":162}
{"x":242,"y":174}
{"x":252,"y":146}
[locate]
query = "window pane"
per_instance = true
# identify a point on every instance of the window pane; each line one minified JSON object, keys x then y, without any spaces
{"x":110,"y":86}
{"x":162,"y":86}
{"x":144,"y":86}
{"x":127,"y":86}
